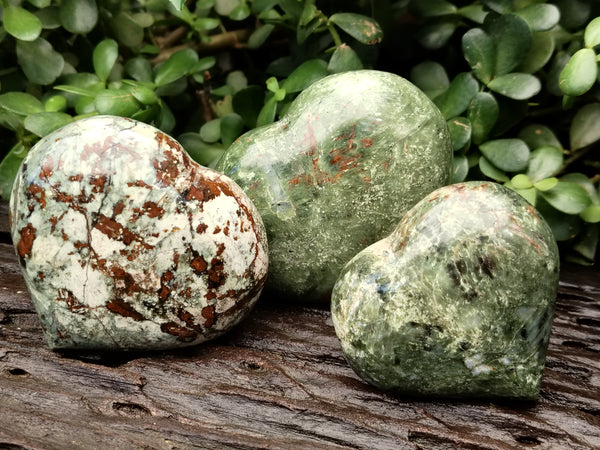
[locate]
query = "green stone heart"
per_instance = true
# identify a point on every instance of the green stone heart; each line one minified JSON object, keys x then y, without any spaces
{"x":354,"y":152}
{"x":457,"y":301}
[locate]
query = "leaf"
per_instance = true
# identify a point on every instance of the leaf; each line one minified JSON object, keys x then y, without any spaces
{"x":458,"y":96}
{"x":237,"y":80}
{"x":141,"y":93}
{"x":177,"y":4}
{"x":489,"y":170}
{"x":512,"y":37}
{"x":344,"y":59}
{"x":431,"y":78}
{"x":460,"y":132}
{"x":116,"y":102}
{"x":362,"y":28}
{"x":78,"y":16}
{"x":580,"y":73}
{"x":39,"y":61}
{"x":564,"y":226}
{"x":21,"y":103}
{"x":432,"y":8}
{"x":127,"y":31}
{"x":499,"y":6}
{"x":49,"y":17}
{"x":546,"y":184}
{"x":567,"y":197}
{"x":584,"y":127}
{"x":544,"y":162}
{"x":55,"y":103}
{"x":178,"y":65}
{"x":518,"y":86}
{"x":510,"y":155}
{"x":260,"y":35}
{"x":540,"y":52}
{"x":305,"y":75}
{"x":536,"y":135}
{"x":21,"y":24}
{"x":591,"y":36}
{"x":232,"y":126}
{"x":9,"y":167}
{"x":248,"y":103}
{"x":460,"y":168}
{"x":267,"y":113}
{"x":44,"y":123}
{"x":591,"y":214}
{"x":574,"y":14}
{"x":104,"y":58}
{"x":521,"y":181}
{"x":583,"y":181}
{"x":480,"y":52}
{"x":587,"y":242}
{"x":139,"y":68}
{"x":540,"y":17}
{"x":434,"y":37}
{"x":211,"y":131}
{"x":474,"y":12}
{"x":482,"y":113}
{"x":225,"y":7}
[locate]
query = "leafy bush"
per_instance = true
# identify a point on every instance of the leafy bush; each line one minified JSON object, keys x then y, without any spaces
{"x":517,"y":80}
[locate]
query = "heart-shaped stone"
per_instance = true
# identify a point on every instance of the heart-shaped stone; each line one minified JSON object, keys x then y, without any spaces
{"x":457,"y":301}
{"x":127,"y":243}
{"x":353,"y":153}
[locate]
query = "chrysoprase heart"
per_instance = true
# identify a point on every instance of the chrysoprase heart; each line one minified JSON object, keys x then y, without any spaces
{"x":127,"y":243}
{"x":457,"y":301}
{"x":353,"y":153}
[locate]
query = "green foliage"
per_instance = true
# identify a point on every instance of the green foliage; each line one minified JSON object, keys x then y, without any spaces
{"x":516,"y":80}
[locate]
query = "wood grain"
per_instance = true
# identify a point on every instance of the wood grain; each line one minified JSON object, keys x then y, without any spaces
{"x":279,"y":380}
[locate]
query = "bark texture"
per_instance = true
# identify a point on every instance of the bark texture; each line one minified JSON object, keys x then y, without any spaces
{"x":278,"y":380}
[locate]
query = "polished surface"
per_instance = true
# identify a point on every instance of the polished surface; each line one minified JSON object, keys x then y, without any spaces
{"x":457,"y":301}
{"x":127,"y":243}
{"x":353,"y":153}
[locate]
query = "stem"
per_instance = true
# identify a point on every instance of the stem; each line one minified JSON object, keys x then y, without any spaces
{"x":575,"y":156}
{"x":334,"y":34}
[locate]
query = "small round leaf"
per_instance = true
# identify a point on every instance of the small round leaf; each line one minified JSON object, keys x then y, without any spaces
{"x":178,"y":65}
{"x":460,"y":132}
{"x":39,"y":61}
{"x":512,"y":37}
{"x":591,"y":35}
{"x":480,"y":52}
{"x":580,"y":73}
{"x":567,"y":197}
{"x":343,"y":60}
{"x":591,"y":214}
{"x":541,"y":50}
{"x":460,"y":168}
{"x":458,"y":96}
{"x":584,"y":127}
{"x":20,"y":103}
{"x":362,"y":28}
{"x":483,"y":112}
{"x":305,"y":75}
{"x":232,"y":126}
{"x":44,"y":123}
{"x":489,"y":170}
{"x":546,"y":184}
{"x":78,"y":16}
{"x":544,"y":162}
{"x":521,"y":181}
{"x":510,"y":155}
{"x":431,"y":78}
{"x":536,"y":135}
{"x":104,"y":58}
{"x":116,"y":102}
{"x":211,"y":131}
{"x":518,"y":86}
{"x":21,"y":24}
{"x":540,"y":17}
{"x":127,"y":31}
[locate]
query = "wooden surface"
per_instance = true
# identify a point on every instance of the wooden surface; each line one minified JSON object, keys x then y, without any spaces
{"x":279,"y":380}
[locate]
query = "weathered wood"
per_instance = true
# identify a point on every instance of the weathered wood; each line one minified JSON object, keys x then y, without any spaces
{"x":279,"y":380}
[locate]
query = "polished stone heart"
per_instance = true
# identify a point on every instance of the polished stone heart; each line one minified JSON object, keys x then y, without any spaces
{"x":457,"y":301}
{"x":126,"y":243}
{"x":353,"y":153}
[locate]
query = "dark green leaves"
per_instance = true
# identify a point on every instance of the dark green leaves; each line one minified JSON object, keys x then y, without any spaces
{"x":511,"y":155}
{"x":544,"y":162}
{"x":178,"y":65}
{"x":512,"y":37}
{"x":104,"y":58}
{"x":580,"y":73}
{"x":40,"y":62}
{"x":44,"y":123}
{"x":362,"y":28}
{"x":567,"y":197}
{"x":21,"y":24}
{"x":431,"y":78}
{"x":458,"y":96}
{"x":305,"y":75}
{"x":483,"y":112}
{"x":584,"y":127}
{"x":540,"y":17}
{"x":344,"y":59}
{"x":117,"y":102}
{"x":518,"y":86}
{"x":480,"y":52}
{"x":78,"y":16}
{"x":20,"y":103}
